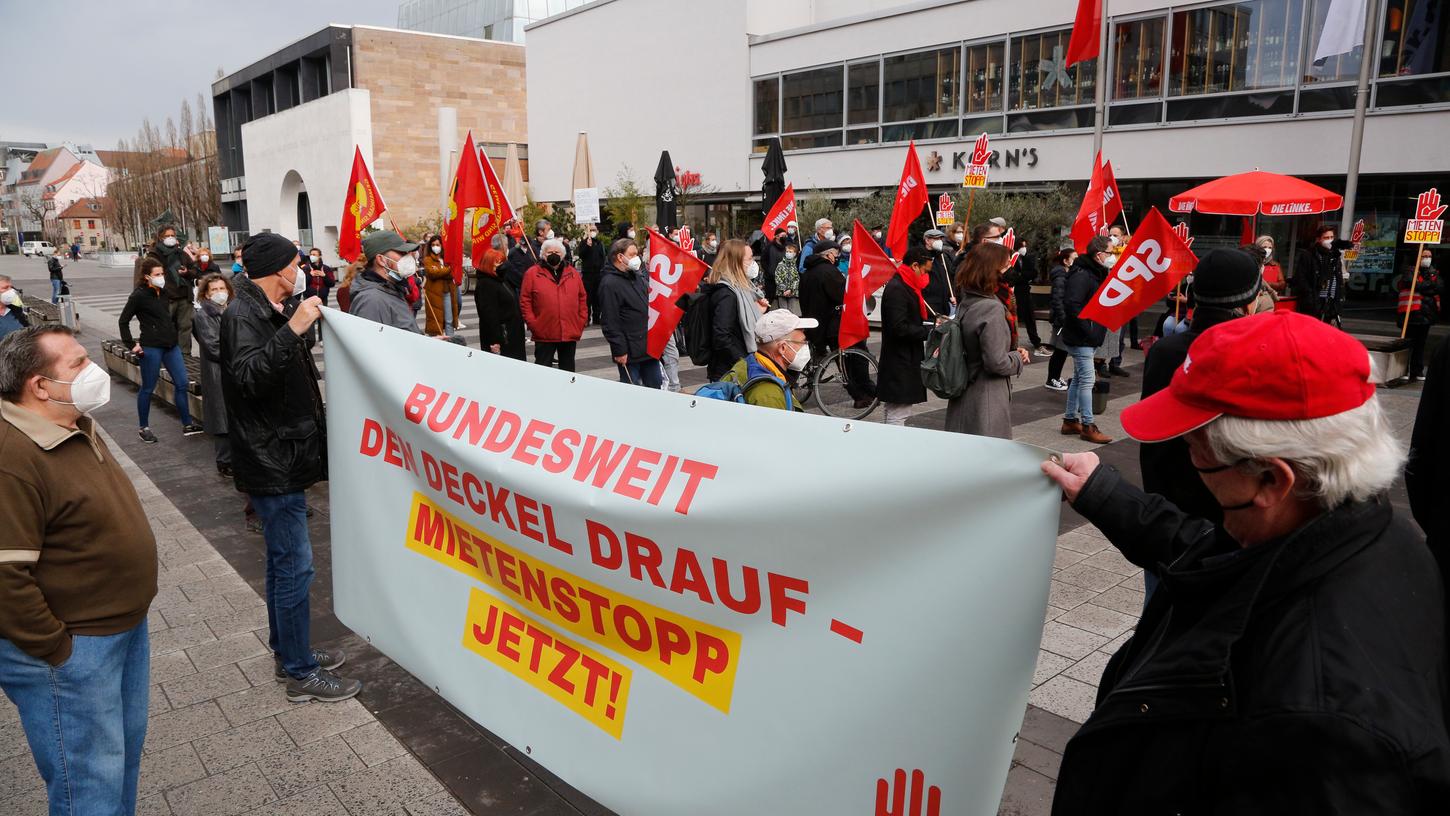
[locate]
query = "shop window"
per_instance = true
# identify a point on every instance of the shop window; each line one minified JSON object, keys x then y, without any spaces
{"x":863,"y":93}
{"x":767,"y":106}
{"x":1141,"y":113}
{"x":1138,"y":59}
{"x":1433,"y":90}
{"x":984,"y":77}
{"x":1416,"y":38}
{"x":1340,"y":68}
{"x":862,"y":136}
{"x":1234,"y":47}
{"x":1231,"y":106}
{"x":811,"y":100}
{"x":1320,"y":100}
{"x":919,"y":131}
{"x":922,"y":85}
{"x":1039,"y":76}
{"x":982,"y":124}
{"x":1057,"y":119}
{"x":806,"y":141}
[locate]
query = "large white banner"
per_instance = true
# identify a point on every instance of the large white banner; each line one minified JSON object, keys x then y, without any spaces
{"x":686,"y":606}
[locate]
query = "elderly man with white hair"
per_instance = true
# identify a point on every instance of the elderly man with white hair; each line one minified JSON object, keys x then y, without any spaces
{"x":555,"y":305}
{"x":825,"y":232}
{"x":781,"y":352}
{"x":1293,"y":659}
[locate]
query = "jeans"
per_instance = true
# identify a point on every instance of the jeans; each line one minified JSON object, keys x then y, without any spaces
{"x":645,"y":373}
{"x":55,"y":290}
{"x":448,"y":312}
{"x":289,"y":578}
{"x":1080,"y":390}
{"x":544,"y":354}
{"x":897,"y":412}
{"x":85,"y":720}
{"x":671,"y":364}
{"x":152,"y":359}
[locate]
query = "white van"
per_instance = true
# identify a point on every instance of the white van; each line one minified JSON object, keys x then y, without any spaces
{"x":37,"y":248}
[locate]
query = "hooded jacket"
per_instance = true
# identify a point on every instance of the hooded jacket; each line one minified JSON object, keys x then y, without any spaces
{"x":381,"y":301}
{"x":274,"y":407}
{"x":1303,"y":675}
{"x":1083,"y":281}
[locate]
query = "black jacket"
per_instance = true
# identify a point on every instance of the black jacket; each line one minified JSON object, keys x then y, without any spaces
{"x":903,"y":335}
{"x":158,"y":330}
{"x":727,"y":336}
{"x":274,"y":408}
{"x":591,"y":257}
{"x":1305,"y":675}
{"x":624,"y":312}
{"x":1166,"y":469}
{"x":938,"y":290}
{"x":180,"y":270}
{"x":518,"y":262}
{"x":770,"y":258}
{"x":823,"y":291}
{"x":1427,"y":475}
{"x":1057,"y":311}
{"x":1083,"y":281}
{"x":1312,"y":268}
{"x":53,"y":266}
{"x":499,"y":321}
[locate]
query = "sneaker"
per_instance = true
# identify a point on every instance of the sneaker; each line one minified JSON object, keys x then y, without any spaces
{"x":254,"y":524}
{"x":146,"y":436}
{"x":224,"y":471}
{"x":1043,"y":351}
{"x":192,"y":430}
{"x":1090,"y":433}
{"x":1117,"y":371}
{"x":323,"y":686}
{"x":1055,"y":385}
{"x":322,"y":657}
{"x":1071,"y":427}
{"x":460,"y":327}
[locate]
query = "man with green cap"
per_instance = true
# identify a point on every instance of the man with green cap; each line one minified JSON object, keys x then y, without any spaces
{"x":380,"y":291}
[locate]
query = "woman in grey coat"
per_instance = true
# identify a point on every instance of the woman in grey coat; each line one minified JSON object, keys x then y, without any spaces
{"x":984,"y":408}
{"x":214,"y":293}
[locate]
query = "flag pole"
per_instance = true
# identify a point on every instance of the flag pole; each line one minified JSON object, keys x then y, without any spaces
{"x":1100,"y":87}
{"x":1361,"y":104}
{"x":1414,"y":278}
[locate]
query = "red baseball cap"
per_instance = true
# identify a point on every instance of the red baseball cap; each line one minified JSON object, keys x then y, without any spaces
{"x":1277,"y":365}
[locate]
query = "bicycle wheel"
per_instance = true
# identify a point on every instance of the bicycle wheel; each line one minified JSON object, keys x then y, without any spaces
{"x":842,"y":377}
{"x":804,"y":385}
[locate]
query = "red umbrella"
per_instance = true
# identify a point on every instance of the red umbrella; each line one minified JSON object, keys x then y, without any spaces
{"x":1256,"y":193}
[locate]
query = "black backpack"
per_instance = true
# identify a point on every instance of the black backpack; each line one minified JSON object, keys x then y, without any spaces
{"x":699,"y":326}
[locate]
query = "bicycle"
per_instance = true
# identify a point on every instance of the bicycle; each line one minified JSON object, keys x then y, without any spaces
{"x":827,"y":382}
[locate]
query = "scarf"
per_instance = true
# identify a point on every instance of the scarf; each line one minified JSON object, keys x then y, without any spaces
{"x":915,"y":283}
{"x":749,"y":314}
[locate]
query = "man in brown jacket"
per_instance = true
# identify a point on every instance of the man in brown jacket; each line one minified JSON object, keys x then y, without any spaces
{"x":77,"y":575}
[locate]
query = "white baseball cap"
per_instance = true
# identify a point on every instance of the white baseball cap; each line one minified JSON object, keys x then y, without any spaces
{"x":776,"y":324}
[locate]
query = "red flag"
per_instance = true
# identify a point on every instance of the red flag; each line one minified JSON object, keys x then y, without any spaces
{"x":467,"y":191}
{"x":782,"y":213}
{"x":870,"y":269}
{"x":673,"y":273}
{"x":488,"y":218}
{"x":1152,"y":264}
{"x":1086,"y":32}
{"x":910,"y":198}
{"x":363,"y":205}
{"x":1101,"y":205}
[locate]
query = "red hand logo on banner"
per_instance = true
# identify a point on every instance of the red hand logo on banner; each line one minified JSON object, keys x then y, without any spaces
{"x":981,"y":152}
{"x":1010,"y":239}
{"x":1429,"y":208}
{"x":920,"y":794}
{"x":1181,"y":230}
{"x":1357,"y":235}
{"x":1151,"y":265}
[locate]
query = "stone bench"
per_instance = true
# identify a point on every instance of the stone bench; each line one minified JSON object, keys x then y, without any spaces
{"x":123,"y":363}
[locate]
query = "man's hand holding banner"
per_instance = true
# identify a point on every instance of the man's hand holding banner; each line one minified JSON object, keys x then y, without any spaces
{"x":673,"y":273}
{"x":1153,"y":263}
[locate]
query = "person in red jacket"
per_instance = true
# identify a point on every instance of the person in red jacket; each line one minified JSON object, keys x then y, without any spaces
{"x":555,"y":306}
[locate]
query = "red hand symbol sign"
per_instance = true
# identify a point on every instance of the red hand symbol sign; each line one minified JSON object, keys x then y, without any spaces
{"x":1357,"y":234}
{"x":980,"y":152}
{"x":899,"y":804}
{"x":1429,"y":207}
{"x":1181,"y":230}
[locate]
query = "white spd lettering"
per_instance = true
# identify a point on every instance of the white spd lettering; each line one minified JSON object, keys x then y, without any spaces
{"x":659,"y":267}
{"x":1147,"y":262}
{"x":1114,"y":293}
{"x":907,"y":186}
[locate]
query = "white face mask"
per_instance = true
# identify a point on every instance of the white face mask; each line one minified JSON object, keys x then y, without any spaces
{"x":1425,"y":262}
{"x":407,"y":266}
{"x":997,"y":240}
{"x":1108,"y":260}
{"x":1327,"y":243}
{"x":549,"y":236}
{"x":89,"y":390}
{"x":299,"y":281}
{"x":219,"y":298}
{"x":159,"y":281}
{"x":10,"y":297}
{"x":205,"y":258}
{"x":710,"y":245}
{"x":629,"y":234}
{"x":845,"y":249}
{"x":437,"y":250}
{"x":801,"y":358}
{"x":1268,"y":253}
{"x":935,"y":245}
{"x":790,"y":256}
{"x":1114,"y":239}
{"x":752,"y":271}
{"x":830,"y":235}
{"x":316,"y":259}
{"x":169,"y":240}
{"x":633,"y":263}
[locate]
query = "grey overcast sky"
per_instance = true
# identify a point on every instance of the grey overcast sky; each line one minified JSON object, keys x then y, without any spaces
{"x":88,"y":71}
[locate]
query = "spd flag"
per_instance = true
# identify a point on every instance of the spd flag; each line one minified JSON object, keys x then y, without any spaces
{"x":1151,"y":265}
{"x":467,"y":191}
{"x":781,"y":213}
{"x":1084,"y":43}
{"x":910,"y":198}
{"x":869,"y":270}
{"x":363,"y":205}
{"x":488,"y":219}
{"x":673,"y":273}
{"x":1101,"y":205}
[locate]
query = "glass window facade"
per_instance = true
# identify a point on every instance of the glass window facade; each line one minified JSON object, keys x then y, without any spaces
{"x":1228,"y":60}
